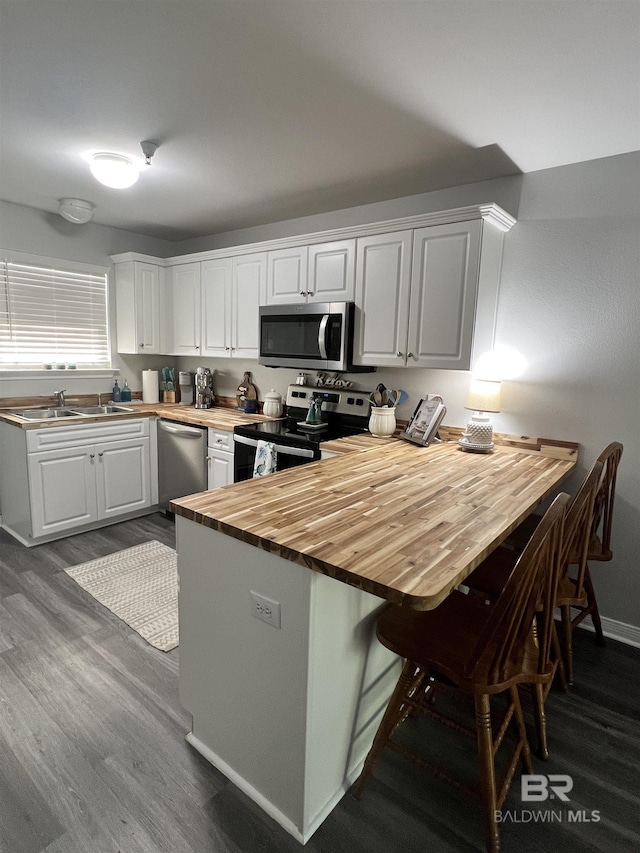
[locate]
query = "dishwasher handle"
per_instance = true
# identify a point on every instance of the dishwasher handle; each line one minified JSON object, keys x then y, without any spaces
{"x":181,"y":430}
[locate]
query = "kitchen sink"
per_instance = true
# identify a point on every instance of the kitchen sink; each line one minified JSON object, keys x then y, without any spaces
{"x":101,"y":410}
{"x":69,"y":412}
{"x":47,"y":414}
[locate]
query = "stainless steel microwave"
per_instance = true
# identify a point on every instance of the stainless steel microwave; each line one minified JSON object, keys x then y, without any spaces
{"x":317,"y":336}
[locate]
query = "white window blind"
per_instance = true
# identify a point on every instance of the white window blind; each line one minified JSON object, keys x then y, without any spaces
{"x":52,"y":315}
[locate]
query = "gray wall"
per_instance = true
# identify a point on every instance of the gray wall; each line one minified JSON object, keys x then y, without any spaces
{"x":569,"y":302}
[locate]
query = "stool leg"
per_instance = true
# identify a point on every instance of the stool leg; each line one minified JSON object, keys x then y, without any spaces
{"x":593,"y":607}
{"x":397,"y":711}
{"x":487,"y":771}
{"x":567,"y":642}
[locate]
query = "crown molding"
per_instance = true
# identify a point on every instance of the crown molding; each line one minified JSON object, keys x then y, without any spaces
{"x":490,"y":213}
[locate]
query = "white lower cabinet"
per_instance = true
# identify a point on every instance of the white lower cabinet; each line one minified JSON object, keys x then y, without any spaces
{"x":219,"y":458}
{"x":79,"y":485}
{"x":76,"y":476}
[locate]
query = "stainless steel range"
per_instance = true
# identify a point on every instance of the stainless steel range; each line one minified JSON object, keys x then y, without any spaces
{"x":342,"y":413}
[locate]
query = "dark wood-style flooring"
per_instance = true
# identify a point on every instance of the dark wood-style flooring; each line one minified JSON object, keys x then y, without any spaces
{"x":93,"y":757}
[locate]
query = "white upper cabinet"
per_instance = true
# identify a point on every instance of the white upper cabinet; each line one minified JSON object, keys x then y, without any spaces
{"x":425,"y":289}
{"x":319,"y":273}
{"x":287,"y":276}
{"x":216,"y":307}
{"x":184,"y":315}
{"x":249,"y":282}
{"x":332,"y":271}
{"x":383,"y":278}
{"x":139,"y":307}
{"x":442,"y":302}
{"x":427,"y":298}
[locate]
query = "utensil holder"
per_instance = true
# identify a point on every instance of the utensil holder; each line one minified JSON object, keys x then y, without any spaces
{"x":382,"y":421}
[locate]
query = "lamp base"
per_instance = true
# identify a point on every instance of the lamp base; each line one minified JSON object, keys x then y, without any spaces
{"x":478,"y":437}
{"x":476,"y":448}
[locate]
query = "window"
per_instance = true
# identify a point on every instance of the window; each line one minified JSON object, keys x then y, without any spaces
{"x":53,"y":313}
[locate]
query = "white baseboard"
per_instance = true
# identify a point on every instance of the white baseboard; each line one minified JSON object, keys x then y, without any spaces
{"x":302,"y":836}
{"x":621,"y":631}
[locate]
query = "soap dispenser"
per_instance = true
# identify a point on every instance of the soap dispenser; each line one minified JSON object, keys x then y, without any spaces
{"x":116,"y":393}
{"x":125,"y":394}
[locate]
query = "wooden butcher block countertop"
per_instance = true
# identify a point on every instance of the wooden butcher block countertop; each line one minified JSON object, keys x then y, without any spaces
{"x":403,"y":522}
{"x":218,"y":417}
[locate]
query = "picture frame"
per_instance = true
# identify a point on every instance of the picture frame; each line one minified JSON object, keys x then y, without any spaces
{"x":426,"y":419}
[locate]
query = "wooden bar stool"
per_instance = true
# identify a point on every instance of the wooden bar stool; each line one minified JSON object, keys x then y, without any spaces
{"x":587,"y":537}
{"x":600,"y":539}
{"x":470,"y":649}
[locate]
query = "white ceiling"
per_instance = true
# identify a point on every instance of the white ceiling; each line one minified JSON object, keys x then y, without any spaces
{"x":271,"y":109}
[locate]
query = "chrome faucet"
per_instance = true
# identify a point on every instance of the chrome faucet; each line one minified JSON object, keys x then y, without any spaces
{"x":59,"y":395}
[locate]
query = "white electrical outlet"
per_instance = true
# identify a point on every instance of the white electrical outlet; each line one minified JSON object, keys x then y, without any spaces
{"x":265,"y":609}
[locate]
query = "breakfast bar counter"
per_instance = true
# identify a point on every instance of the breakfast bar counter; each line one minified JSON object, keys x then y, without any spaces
{"x":281,"y":582}
{"x":402,"y":522}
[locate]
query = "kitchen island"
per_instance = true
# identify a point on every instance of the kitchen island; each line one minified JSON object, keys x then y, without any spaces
{"x":286,"y":705}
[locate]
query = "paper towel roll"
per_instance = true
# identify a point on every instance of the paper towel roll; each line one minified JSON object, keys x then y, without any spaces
{"x":150,"y":386}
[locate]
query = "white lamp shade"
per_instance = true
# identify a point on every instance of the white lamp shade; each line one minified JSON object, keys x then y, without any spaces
{"x":483,"y":396}
{"x":114,"y":170}
{"x":76,"y":210}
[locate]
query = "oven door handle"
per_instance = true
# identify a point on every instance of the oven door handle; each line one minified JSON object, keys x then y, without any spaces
{"x":322,"y":336}
{"x":304,"y":452}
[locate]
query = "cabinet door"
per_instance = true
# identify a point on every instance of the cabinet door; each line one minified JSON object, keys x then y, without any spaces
{"x":148,"y":307}
{"x":185,"y":310}
{"x":249,"y":281}
{"x":383,"y":273}
{"x":216,"y":307}
{"x":122,"y":476}
{"x":332,"y":271}
{"x":443,"y":295}
{"x":62,"y":489}
{"x":287,"y":276}
{"x":220,"y":468}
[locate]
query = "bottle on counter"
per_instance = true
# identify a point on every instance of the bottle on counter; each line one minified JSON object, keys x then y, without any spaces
{"x":116,"y":393}
{"x":125,"y":394}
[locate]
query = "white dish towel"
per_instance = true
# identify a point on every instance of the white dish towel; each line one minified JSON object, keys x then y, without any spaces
{"x":266,"y":459}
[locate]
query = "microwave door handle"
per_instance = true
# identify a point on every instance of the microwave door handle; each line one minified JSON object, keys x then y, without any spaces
{"x":322,"y":336}
{"x":304,"y":452}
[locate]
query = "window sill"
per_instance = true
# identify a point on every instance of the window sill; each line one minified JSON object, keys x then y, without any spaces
{"x":40,"y":373}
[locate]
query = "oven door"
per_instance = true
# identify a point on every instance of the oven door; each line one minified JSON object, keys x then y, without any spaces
{"x":287,"y":457}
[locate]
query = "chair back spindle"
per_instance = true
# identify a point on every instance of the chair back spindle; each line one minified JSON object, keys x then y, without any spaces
{"x":502,"y":642}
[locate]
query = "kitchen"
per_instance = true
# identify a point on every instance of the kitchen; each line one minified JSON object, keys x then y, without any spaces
{"x":568,"y":297}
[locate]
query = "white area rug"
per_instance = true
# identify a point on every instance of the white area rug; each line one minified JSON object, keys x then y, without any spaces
{"x":139,"y":585}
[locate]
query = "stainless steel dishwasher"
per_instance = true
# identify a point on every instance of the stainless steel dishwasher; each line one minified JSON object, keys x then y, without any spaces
{"x":182,"y":460}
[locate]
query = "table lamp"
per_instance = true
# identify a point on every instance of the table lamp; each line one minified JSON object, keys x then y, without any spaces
{"x":483,"y":397}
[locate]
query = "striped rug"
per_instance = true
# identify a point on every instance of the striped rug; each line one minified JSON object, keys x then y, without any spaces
{"x":139,"y":585}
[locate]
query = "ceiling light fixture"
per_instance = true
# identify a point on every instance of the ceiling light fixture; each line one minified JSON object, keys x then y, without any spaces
{"x":76,"y":210}
{"x":114,"y":170}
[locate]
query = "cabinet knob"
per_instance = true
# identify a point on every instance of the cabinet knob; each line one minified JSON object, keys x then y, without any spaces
{"x":92,"y":456}
{"x":303,"y":293}
{"x":409,"y":355}
{"x":100,"y":455}
{"x":227,"y":348}
{"x":400,"y":354}
{"x":141,"y":346}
